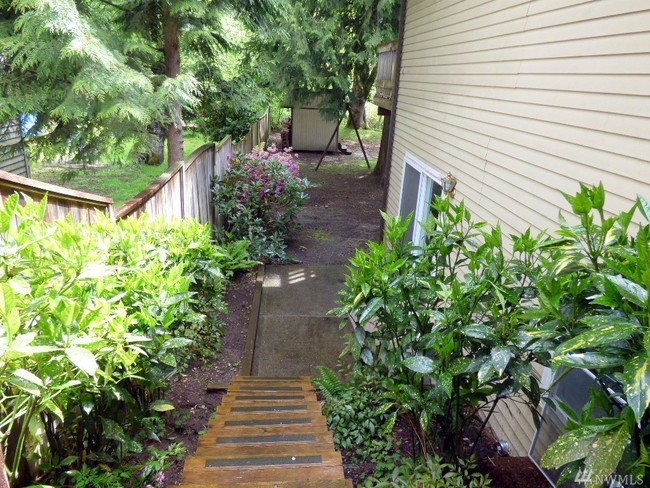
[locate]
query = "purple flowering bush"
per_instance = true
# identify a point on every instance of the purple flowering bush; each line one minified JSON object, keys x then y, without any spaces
{"x":260,"y":196}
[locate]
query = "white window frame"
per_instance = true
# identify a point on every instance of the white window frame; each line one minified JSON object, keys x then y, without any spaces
{"x":421,"y":213}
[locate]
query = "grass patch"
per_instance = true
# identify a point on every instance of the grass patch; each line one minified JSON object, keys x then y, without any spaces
{"x":369,"y":136}
{"x":119,"y":182}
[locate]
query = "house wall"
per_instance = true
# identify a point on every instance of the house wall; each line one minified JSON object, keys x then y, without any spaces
{"x":522,"y":99}
{"x":12,"y":154}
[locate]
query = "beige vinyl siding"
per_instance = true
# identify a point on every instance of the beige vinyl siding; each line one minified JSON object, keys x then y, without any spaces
{"x":522,"y":99}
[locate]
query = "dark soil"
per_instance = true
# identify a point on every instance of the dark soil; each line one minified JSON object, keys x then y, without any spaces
{"x":193,"y":404}
{"x":342,"y":212}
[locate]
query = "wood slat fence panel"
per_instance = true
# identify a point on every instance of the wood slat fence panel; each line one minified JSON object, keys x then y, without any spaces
{"x":183,"y":191}
{"x":81,"y":206}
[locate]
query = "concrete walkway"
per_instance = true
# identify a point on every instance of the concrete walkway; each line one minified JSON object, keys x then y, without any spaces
{"x":294,"y":332}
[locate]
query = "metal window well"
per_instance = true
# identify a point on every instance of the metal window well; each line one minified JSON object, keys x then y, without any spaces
{"x":573,"y":390}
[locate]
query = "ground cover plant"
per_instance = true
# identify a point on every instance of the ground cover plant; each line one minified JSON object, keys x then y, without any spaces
{"x":95,"y":319}
{"x":454,"y":325}
{"x":259,"y":197}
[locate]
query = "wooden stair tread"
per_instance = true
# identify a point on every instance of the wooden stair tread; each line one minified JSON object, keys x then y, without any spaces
{"x":271,"y":419}
{"x":345,"y":483}
{"x":268,"y":432}
{"x":255,"y":408}
{"x":236,"y":450}
{"x":265,"y":461}
{"x":269,"y":475}
{"x":214,"y":440}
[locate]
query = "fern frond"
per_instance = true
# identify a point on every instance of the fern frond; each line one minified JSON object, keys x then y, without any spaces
{"x":329,"y":384}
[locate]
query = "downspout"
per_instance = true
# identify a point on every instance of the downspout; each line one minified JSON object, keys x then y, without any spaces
{"x":393,"y":112}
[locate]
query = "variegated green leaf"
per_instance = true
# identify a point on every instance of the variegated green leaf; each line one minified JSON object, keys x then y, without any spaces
{"x":420,"y":364}
{"x":636,"y":377}
{"x":629,"y":290}
{"x":606,"y":334}
{"x":605,"y":452}
{"x":500,"y":359}
{"x":570,"y":446}
{"x":588,"y":360}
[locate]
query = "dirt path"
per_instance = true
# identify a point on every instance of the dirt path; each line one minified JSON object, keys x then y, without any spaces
{"x":342,"y":212}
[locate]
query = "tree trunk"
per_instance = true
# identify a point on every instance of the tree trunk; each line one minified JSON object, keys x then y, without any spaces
{"x":382,"y":168}
{"x":171,"y":48}
{"x":358,"y":102}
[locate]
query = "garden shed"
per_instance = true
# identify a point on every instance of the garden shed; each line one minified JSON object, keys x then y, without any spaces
{"x":310,"y":129}
{"x":12,"y":152}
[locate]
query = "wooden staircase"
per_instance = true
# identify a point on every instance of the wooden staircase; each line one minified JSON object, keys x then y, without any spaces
{"x":268,"y":432}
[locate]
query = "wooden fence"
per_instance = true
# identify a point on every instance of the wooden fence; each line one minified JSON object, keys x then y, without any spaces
{"x":184,"y":190}
{"x":82,"y":207}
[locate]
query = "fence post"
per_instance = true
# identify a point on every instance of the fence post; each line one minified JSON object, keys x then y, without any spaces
{"x":182,"y":190}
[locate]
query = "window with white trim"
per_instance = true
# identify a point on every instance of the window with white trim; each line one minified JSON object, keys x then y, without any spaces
{"x":420,"y":184}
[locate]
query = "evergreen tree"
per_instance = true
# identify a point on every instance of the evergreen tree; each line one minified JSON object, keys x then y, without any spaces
{"x":101,"y":74}
{"x":326,"y":49}
{"x":90,"y":88}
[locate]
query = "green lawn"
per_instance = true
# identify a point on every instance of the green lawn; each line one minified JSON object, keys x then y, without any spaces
{"x":372,"y":135}
{"x":117,"y":182}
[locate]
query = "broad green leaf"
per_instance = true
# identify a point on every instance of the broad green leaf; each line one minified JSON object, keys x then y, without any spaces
{"x":500,"y":359}
{"x":580,"y":204}
{"x":161,"y":406}
{"x":485,"y":372}
{"x":367,"y":357}
{"x":420,"y":364}
{"x":631,"y":291}
{"x":25,"y":385}
{"x":588,"y":360}
{"x":176,"y":342}
{"x":371,"y":310}
{"x":606,"y":334}
{"x":7,"y":212}
{"x":598,"y":196}
{"x":360,"y":335}
{"x":636,"y":377}
{"x":113,"y":430}
{"x":82,"y":359}
{"x":7,"y":299}
{"x":570,"y":446}
{"x":605,"y":452}
{"x":479,"y":331}
{"x":644,"y":207}
{"x":28,"y":376}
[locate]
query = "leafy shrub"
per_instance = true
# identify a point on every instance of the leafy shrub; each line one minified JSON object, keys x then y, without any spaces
{"x":446,"y":322}
{"x":594,"y":313}
{"x":430,"y":472}
{"x":94,"y":319}
{"x":454,"y":325}
{"x":260,"y":196}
